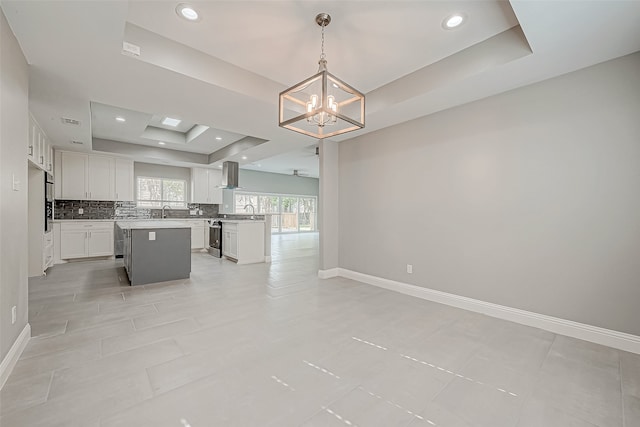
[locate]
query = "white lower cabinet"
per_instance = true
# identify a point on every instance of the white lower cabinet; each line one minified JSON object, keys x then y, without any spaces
{"x":243,"y":241}
{"x":73,"y":244}
{"x":100,"y":242}
{"x":198,"y":229}
{"x":47,"y":251}
{"x":86,"y":239}
{"x":197,"y":236}
{"x":230,"y":241}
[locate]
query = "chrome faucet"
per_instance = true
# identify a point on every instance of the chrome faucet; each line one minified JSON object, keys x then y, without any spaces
{"x":163,"y":208}
{"x":253,"y":210}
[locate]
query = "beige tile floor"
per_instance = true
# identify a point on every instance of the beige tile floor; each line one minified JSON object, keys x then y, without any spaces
{"x":271,"y":345}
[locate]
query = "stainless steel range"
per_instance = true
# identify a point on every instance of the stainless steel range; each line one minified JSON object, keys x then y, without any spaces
{"x":215,"y":238}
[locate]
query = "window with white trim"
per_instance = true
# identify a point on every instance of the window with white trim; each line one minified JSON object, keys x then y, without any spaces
{"x":158,"y":192}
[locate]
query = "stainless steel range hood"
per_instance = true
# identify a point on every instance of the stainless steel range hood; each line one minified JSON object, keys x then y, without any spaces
{"x":230,"y":175}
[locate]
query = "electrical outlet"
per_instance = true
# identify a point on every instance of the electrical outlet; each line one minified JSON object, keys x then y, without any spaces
{"x":14,"y":314}
{"x":409,"y":268}
{"x":80,"y":211}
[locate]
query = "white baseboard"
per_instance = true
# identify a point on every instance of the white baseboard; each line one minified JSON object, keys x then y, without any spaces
{"x":328,"y":274}
{"x":608,"y":337}
{"x":8,"y":363}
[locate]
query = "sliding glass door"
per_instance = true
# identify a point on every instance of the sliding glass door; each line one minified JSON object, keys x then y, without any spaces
{"x":290,"y":214}
{"x":307,"y":214}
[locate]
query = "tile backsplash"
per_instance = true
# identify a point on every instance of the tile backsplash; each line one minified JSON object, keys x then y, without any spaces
{"x":95,"y":209}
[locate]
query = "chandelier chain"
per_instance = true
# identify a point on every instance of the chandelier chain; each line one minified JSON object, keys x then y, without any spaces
{"x":322,"y":55}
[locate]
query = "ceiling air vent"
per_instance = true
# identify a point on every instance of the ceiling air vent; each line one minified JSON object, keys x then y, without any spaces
{"x":77,"y":142}
{"x":68,"y":121}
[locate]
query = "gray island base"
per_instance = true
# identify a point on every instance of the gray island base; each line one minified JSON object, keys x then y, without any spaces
{"x":156,"y":252}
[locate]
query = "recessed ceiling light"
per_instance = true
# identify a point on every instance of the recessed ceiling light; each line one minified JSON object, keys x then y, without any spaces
{"x":120,"y":119}
{"x":187,"y":12}
{"x":219,"y":138}
{"x":453,"y":21}
{"x":161,"y":143}
{"x":244,"y":157}
{"x":171,"y":122}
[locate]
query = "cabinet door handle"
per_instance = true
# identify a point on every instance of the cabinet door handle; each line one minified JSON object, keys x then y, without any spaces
{"x":31,"y":150}
{"x":49,"y":167}
{"x":41,"y":160}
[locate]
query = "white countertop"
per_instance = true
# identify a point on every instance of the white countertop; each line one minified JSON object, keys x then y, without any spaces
{"x":83,"y":220}
{"x":160,"y":220}
{"x":237,"y":220}
{"x":136,"y":225}
{"x":129,"y":219}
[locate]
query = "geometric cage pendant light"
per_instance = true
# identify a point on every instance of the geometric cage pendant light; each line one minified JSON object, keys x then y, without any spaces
{"x":322,"y":106}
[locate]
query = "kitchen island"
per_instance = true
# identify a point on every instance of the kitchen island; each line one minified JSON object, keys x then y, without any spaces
{"x":156,"y":251}
{"x":243,"y":240}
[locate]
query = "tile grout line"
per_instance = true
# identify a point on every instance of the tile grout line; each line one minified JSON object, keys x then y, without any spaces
{"x":624,"y":421}
{"x":530,"y":393}
{"x":153,"y":392}
{"x":46,"y":399}
{"x":322,"y":409}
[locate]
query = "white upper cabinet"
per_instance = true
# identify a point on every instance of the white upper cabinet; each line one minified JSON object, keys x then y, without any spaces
{"x":72,"y":176}
{"x":199,"y":185}
{"x":215,"y":181}
{"x":101,"y":174}
{"x":124,"y":180}
{"x":81,"y":176}
{"x":204,"y":186}
{"x":40,"y":151}
{"x":33,"y":139}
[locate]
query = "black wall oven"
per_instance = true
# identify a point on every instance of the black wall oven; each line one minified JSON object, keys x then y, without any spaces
{"x":48,"y":202}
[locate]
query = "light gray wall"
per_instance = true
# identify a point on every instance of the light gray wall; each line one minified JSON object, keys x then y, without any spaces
{"x":265,"y":182}
{"x":328,"y":203}
{"x":14,"y":137}
{"x":161,"y":171}
{"x":529,"y":199}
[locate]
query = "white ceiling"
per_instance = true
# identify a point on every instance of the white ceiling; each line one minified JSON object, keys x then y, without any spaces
{"x":281,"y":41}
{"x":147,"y":129}
{"x":226,"y":70}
